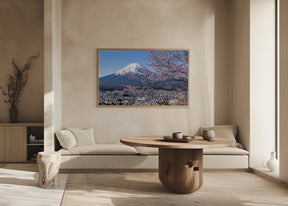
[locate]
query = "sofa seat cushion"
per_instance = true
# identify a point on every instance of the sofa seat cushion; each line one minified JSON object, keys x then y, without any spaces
{"x":225,"y":151}
{"x":100,"y":149}
{"x":209,"y":151}
{"x":147,"y":150}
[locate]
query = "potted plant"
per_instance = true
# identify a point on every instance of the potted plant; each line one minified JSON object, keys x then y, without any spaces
{"x":13,"y":88}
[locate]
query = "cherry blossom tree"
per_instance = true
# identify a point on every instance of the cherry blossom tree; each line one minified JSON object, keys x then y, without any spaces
{"x":169,"y":66}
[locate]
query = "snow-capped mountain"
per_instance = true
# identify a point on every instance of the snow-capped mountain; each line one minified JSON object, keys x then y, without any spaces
{"x":133,"y":74}
{"x":133,"y":69}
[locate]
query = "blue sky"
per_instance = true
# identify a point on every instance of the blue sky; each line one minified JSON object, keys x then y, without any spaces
{"x":112,"y":61}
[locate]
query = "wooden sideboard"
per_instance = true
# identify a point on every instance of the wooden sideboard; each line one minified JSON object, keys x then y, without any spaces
{"x":14,"y":141}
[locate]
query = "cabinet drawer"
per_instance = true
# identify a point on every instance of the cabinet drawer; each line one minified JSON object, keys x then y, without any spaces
{"x":16,"y":150}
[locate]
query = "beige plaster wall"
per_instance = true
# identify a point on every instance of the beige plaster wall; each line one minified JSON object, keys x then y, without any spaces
{"x":240,"y":68}
{"x":21,"y":36}
{"x":91,"y":24}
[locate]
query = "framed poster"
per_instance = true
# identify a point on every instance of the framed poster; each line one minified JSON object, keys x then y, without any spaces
{"x":142,"y":77}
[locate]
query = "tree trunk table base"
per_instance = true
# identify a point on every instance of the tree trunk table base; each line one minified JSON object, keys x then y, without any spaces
{"x":180,"y":170}
{"x":180,"y":164}
{"x":48,"y":167}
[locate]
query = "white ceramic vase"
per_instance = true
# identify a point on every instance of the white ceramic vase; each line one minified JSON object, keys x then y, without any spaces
{"x":273,"y":163}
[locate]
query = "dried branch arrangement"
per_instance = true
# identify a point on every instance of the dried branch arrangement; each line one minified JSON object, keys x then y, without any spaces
{"x":13,"y":88}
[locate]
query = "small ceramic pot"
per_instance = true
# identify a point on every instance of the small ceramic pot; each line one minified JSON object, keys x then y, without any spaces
{"x":177,"y":135}
{"x":208,"y":134}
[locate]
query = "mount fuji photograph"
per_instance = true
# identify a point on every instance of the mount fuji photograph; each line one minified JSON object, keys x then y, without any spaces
{"x":142,"y":77}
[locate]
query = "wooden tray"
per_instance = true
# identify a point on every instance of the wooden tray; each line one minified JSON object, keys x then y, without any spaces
{"x":186,"y":139}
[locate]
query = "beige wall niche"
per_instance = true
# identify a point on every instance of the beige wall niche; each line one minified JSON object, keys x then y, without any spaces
{"x":262,"y":81}
{"x":193,"y":24}
{"x":21,"y":36}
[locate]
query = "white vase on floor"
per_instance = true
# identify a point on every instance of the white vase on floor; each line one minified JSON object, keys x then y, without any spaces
{"x":273,"y":163}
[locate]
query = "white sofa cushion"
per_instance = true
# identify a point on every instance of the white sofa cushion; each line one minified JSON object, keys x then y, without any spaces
{"x":225,"y":151}
{"x":100,"y":149}
{"x":209,"y":151}
{"x":66,"y":139}
{"x":83,"y":136}
{"x":147,"y":150}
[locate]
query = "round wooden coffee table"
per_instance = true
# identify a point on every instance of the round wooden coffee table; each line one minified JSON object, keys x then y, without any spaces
{"x":180,"y":164}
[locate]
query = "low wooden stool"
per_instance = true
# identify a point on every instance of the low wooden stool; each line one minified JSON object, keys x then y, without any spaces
{"x":48,"y":168}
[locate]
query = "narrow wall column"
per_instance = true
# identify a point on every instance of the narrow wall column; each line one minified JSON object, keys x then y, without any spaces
{"x":262,"y":81}
{"x":283,"y":110}
{"x":52,"y":71}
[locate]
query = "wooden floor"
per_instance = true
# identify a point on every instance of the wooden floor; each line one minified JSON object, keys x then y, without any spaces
{"x":31,"y":167}
{"x":134,"y":188}
{"x":18,"y":186}
{"x":144,"y":188}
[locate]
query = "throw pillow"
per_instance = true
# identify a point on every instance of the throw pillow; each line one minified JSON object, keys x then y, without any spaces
{"x":223,"y":131}
{"x":83,"y":136}
{"x":66,"y":139}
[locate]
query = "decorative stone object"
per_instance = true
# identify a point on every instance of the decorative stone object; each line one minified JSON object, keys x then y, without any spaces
{"x":48,"y":167}
{"x":208,"y":134}
{"x":273,"y":163}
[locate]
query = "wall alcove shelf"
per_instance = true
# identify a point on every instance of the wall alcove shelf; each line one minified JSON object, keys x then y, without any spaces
{"x":15,"y":144}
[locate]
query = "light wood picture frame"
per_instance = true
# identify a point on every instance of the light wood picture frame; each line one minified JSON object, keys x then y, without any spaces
{"x":143,"y":78}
